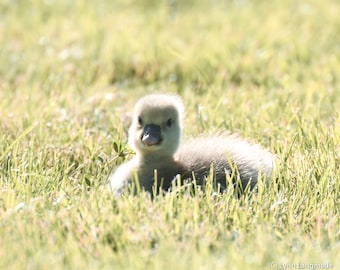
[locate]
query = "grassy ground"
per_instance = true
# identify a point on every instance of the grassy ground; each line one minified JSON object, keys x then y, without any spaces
{"x":70,"y":72}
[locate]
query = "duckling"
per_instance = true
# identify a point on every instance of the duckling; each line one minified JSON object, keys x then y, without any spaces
{"x":155,"y":135}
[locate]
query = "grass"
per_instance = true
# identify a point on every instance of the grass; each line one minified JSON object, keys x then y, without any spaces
{"x":70,"y":72}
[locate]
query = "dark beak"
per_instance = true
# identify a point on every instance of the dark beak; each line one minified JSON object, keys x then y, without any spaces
{"x":151,"y":135}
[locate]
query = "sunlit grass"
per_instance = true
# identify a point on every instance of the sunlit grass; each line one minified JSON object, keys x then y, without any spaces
{"x":70,"y":72}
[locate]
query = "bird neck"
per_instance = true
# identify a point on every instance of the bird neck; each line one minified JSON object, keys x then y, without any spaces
{"x":154,"y":158}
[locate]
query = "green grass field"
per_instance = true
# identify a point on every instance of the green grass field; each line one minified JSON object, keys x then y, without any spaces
{"x":70,"y":73}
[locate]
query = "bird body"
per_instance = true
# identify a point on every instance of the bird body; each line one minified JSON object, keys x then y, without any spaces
{"x":228,"y":155}
{"x":150,"y":173}
{"x":155,"y":135}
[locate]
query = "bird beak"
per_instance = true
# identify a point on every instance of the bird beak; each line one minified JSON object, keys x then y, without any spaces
{"x":151,"y":135}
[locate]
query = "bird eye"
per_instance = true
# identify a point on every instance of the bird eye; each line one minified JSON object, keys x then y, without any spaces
{"x":140,"y":121}
{"x":169,"y":122}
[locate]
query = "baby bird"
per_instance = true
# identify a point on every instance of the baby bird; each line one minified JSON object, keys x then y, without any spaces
{"x":155,"y":136}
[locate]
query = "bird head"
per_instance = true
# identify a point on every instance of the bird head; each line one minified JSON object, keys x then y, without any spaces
{"x":156,"y":125}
